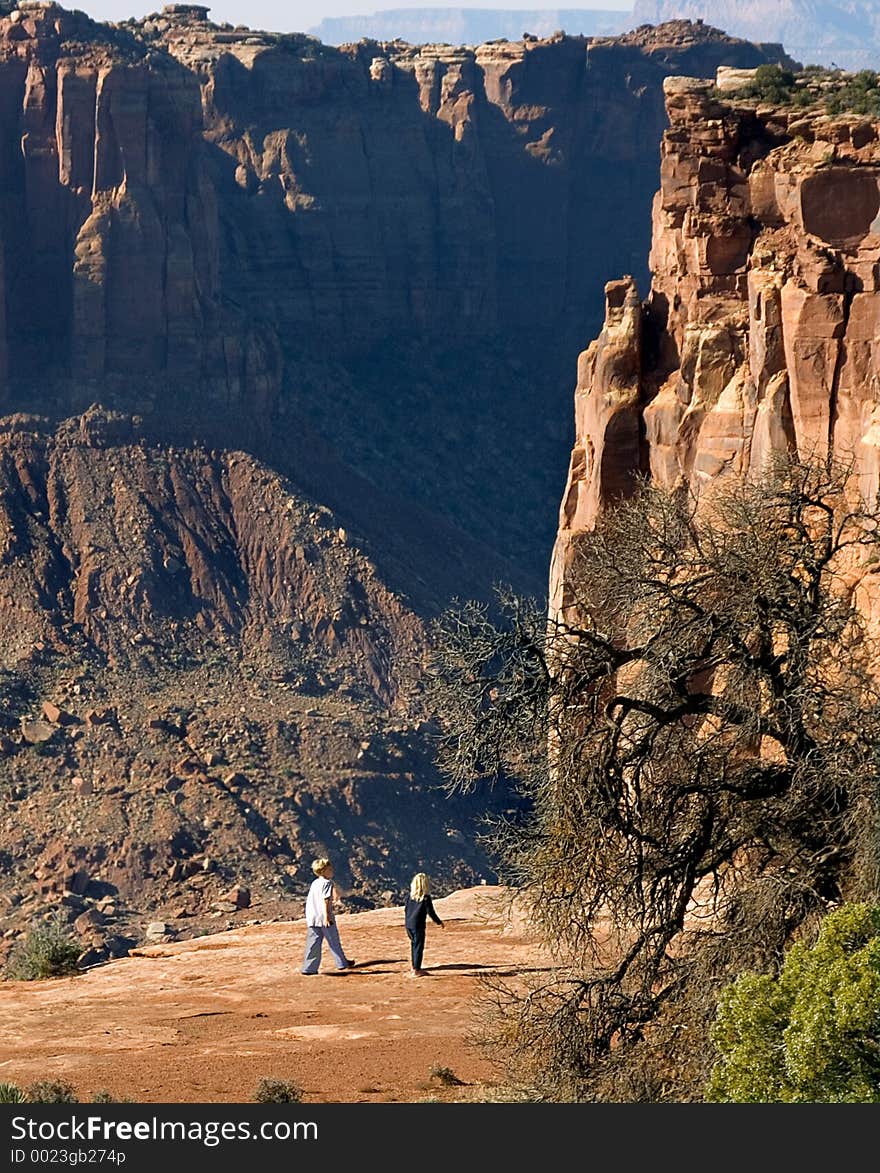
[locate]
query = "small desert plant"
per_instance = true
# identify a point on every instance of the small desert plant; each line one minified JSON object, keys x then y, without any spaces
{"x":51,"y":1091}
{"x":11,"y":1093}
{"x":446,"y":1076}
{"x":47,"y":950}
{"x":277,"y":1091}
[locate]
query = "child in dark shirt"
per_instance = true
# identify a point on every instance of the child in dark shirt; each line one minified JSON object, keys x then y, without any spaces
{"x":418,"y":908}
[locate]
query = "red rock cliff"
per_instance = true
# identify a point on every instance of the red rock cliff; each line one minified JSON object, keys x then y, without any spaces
{"x":184,"y":203}
{"x":109,"y":223}
{"x":760,"y":330}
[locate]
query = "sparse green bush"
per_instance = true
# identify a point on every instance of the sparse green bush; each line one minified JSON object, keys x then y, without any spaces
{"x":812,"y":1034}
{"x":47,"y":950}
{"x":813,"y":86}
{"x":11,"y":1093}
{"x":51,"y":1091}
{"x":277,"y":1091}
{"x":771,"y":84}
{"x":859,"y":93}
{"x":839,"y":92}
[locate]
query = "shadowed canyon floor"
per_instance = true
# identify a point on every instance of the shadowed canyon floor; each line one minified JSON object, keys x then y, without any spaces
{"x":204,"y":1020}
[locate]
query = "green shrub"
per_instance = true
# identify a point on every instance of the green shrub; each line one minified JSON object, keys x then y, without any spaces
{"x":11,"y":1093}
{"x":47,"y":950}
{"x":277,"y":1091}
{"x":812,"y":1034}
{"x":51,"y":1091}
{"x":771,"y":84}
{"x":839,"y":92}
{"x":858,"y":93}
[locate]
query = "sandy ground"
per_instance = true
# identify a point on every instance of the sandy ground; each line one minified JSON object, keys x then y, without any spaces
{"x":205,"y":1020}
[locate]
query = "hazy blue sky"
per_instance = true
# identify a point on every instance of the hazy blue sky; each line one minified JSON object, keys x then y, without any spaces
{"x":299,"y":15}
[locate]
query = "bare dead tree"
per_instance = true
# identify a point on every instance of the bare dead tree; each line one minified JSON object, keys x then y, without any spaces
{"x":700,"y":755}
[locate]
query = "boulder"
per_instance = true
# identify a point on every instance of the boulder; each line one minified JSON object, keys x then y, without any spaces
{"x":56,"y":715}
{"x":237,"y":897}
{"x":37,"y":732}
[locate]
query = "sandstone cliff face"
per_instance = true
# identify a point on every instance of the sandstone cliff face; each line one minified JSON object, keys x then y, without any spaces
{"x":109,"y":222}
{"x":440,"y":190}
{"x":759,"y":334}
{"x":182,"y":202}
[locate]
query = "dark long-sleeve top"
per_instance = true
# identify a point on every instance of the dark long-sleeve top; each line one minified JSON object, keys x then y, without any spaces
{"x":417,"y":913}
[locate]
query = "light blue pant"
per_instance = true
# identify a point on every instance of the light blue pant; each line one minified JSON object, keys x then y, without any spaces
{"x":315,"y":937}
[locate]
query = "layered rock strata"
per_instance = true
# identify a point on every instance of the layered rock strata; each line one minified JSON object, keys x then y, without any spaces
{"x":759,"y":334}
{"x":183,"y":203}
{"x":108,"y":221}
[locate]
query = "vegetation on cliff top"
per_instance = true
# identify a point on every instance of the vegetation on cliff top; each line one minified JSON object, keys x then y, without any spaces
{"x":711,"y":788}
{"x":832,"y":90}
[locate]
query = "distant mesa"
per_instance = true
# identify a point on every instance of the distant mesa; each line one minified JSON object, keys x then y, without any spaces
{"x":470,"y":26}
{"x":847,"y":36}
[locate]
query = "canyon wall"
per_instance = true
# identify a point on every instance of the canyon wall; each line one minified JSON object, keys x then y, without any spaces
{"x":183,"y":203}
{"x":251,"y":237}
{"x":109,"y":224}
{"x":759,"y":334}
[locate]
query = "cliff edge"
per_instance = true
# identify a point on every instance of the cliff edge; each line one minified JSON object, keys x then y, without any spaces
{"x":759,"y":333}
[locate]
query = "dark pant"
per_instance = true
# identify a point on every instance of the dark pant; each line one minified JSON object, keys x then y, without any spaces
{"x":417,"y":943}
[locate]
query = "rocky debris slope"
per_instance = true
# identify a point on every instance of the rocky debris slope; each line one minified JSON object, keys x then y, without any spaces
{"x":759,"y":333}
{"x":205,"y":683}
{"x":118,"y":545}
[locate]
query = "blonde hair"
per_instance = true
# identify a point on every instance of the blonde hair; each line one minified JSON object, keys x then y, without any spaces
{"x":320,"y":865}
{"x":420,"y":886}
